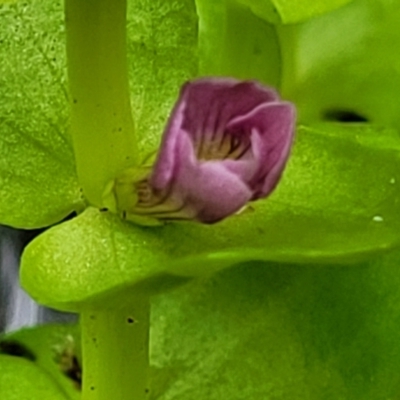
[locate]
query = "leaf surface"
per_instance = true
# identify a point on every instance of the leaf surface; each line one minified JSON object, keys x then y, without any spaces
{"x":344,"y":66}
{"x":22,"y":380}
{"x":272,"y":330}
{"x":281,"y":331}
{"x":338,"y":202}
{"x":292,"y":11}
{"x":38,"y":184}
{"x":50,"y":346}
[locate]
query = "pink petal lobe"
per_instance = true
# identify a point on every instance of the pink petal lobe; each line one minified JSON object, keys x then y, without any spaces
{"x":164,"y":168}
{"x":271,"y":127}
{"x":212,"y":191}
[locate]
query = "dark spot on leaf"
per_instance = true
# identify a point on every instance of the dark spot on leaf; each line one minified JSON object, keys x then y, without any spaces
{"x":91,"y":387}
{"x":14,"y":348}
{"x":347,"y":116}
{"x":257,"y":50}
{"x":260,"y":230}
{"x":103,"y":209}
{"x":75,"y":101}
{"x":130,"y":320}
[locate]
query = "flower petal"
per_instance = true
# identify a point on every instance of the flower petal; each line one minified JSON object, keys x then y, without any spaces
{"x":205,"y":191}
{"x":165,"y":166}
{"x":272,"y":127}
{"x":213,"y":102}
{"x":212,"y":191}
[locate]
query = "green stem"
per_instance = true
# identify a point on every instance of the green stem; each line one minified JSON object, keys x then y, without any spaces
{"x":101,"y":121}
{"x":115,"y":352}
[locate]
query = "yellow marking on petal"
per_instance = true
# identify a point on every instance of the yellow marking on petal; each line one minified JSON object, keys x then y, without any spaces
{"x":229,"y":146}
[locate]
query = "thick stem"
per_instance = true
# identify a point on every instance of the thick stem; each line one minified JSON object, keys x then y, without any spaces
{"x":101,"y":121}
{"x":115,"y":352}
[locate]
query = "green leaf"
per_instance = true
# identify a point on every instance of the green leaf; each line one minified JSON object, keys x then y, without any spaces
{"x":338,"y":201}
{"x":52,"y":348}
{"x":276,"y":331}
{"x":37,"y":187}
{"x":292,"y":11}
{"x":271,"y":330}
{"x":225,"y":50}
{"x":345,"y":64}
{"x":162,"y":55}
{"x":21,"y":379}
{"x":38,"y":184}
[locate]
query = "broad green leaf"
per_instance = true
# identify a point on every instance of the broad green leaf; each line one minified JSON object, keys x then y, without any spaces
{"x":235,"y":42}
{"x":338,"y":201}
{"x":292,"y":11}
{"x":21,"y":379}
{"x":345,"y":64}
{"x":162,"y":55}
{"x":37,"y":175}
{"x":276,"y":331}
{"x":271,"y":330}
{"x":52,"y":347}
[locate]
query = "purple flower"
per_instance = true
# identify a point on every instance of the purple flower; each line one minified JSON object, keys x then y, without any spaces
{"x":226,"y":143}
